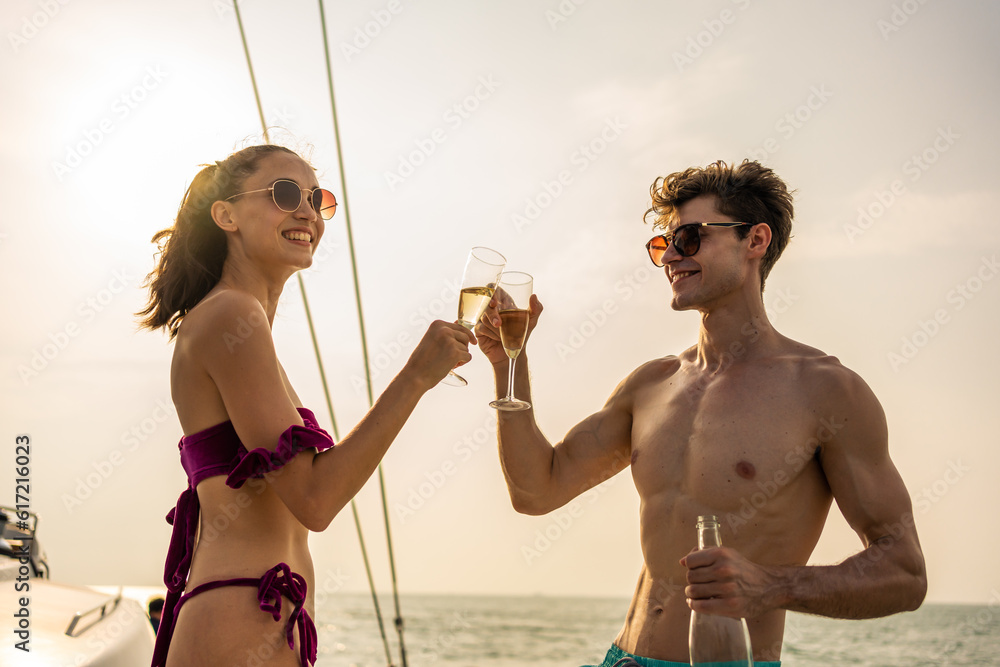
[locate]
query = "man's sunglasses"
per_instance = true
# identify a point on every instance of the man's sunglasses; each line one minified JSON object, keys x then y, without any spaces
{"x":686,"y":240}
{"x":287,"y":196}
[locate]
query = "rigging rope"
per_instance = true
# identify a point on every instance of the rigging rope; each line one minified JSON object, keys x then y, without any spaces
{"x":364,"y":344}
{"x":361,"y":320}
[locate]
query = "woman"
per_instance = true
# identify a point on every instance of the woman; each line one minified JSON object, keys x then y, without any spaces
{"x":261,"y":473}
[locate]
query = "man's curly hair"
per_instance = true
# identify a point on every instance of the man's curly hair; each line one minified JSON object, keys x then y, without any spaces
{"x":749,"y":192}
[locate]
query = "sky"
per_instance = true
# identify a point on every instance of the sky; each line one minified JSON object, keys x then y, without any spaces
{"x":535,"y":128}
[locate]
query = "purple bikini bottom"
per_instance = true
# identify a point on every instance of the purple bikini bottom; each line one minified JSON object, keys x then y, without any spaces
{"x":276,"y":583}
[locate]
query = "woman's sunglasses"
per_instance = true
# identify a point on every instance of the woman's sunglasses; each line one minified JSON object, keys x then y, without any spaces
{"x":287,"y":196}
{"x":686,"y":240}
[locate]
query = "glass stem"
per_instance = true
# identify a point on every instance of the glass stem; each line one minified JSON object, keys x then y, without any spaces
{"x":510,"y":379}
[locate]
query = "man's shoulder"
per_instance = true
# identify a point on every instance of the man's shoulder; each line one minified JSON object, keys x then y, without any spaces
{"x":648,"y":374}
{"x":824,"y":376}
{"x":655,"y":369}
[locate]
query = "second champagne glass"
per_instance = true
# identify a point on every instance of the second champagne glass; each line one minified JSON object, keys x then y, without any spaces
{"x":514,"y":297}
{"x":482,"y":272}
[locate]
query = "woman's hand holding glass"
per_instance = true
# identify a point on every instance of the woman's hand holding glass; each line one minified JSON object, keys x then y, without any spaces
{"x":444,"y":346}
{"x":482,"y":272}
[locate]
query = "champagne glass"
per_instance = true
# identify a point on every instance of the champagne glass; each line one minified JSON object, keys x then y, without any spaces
{"x":482,"y":272}
{"x":514,"y":296}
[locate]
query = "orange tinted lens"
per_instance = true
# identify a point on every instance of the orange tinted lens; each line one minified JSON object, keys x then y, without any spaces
{"x":657,"y":247}
{"x":324,"y":202}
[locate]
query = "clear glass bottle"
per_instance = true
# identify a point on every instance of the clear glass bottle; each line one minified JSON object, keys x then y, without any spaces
{"x":717,"y":640}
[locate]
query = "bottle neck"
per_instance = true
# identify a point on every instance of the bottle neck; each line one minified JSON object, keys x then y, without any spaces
{"x":708,"y":535}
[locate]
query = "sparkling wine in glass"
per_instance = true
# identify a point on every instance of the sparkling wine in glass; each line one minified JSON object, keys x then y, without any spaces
{"x":482,"y":272}
{"x":514,"y":297}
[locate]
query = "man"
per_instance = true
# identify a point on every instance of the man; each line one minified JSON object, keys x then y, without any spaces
{"x":155,"y":608}
{"x":747,"y":424}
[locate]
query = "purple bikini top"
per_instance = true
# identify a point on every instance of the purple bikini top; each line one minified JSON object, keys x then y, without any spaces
{"x":217,"y":450}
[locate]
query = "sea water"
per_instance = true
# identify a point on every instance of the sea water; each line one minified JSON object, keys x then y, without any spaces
{"x":467,"y":631}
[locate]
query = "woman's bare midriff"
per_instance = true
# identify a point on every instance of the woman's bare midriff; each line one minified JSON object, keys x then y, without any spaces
{"x":242,"y":534}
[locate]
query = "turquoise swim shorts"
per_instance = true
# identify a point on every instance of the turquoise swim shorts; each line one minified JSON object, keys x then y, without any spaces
{"x":619,"y":658}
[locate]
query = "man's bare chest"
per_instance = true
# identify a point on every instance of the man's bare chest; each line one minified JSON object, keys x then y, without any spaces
{"x":719,"y":440}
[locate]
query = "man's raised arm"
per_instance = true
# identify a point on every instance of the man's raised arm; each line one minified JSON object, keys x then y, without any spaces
{"x":542,"y":477}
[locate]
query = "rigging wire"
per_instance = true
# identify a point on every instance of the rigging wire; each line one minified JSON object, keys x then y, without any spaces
{"x":361,"y":320}
{"x":354,"y":505}
{"x":319,"y":361}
